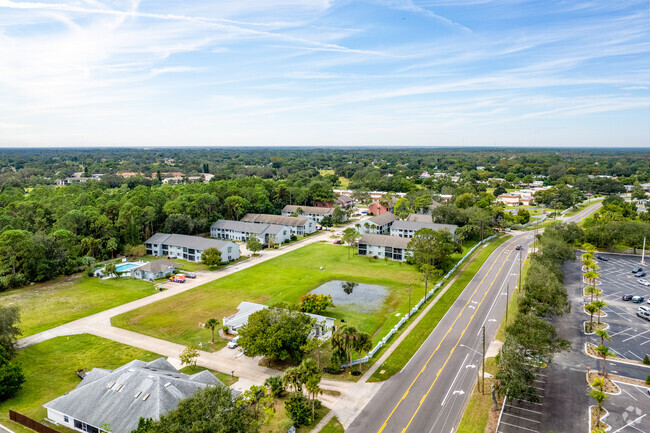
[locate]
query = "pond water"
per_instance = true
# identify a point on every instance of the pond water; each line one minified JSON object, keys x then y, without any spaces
{"x":362,"y":297}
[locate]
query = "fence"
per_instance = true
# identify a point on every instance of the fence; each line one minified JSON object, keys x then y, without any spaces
{"x":417,"y":306}
{"x":30,"y":423}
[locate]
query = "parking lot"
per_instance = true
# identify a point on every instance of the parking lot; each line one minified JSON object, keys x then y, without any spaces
{"x":630,"y":334}
{"x":520,"y":416}
{"x":629,"y":411}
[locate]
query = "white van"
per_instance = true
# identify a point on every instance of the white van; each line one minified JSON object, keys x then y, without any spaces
{"x":644,"y":312}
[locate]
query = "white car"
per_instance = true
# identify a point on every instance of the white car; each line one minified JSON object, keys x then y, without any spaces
{"x":233,"y":344}
{"x":644,"y":282}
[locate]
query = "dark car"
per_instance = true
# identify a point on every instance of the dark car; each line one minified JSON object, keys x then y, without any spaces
{"x":637,"y":299}
{"x":627,"y":297}
{"x":640,"y":274}
{"x":636,"y":270}
{"x":518,"y":247}
{"x":603,"y":258}
{"x":190,"y":275}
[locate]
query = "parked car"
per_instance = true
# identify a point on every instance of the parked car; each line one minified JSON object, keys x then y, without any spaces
{"x":644,"y":312}
{"x":518,"y":247}
{"x":603,"y":258}
{"x":643,"y":282}
{"x":337,"y":242}
{"x":636,"y":270}
{"x":190,"y":275}
{"x":637,"y":299}
{"x":640,"y":274}
{"x":233,"y":344}
{"x":627,"y":297}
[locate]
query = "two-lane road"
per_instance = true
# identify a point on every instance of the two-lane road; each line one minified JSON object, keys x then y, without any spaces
{"x":430,"y":393}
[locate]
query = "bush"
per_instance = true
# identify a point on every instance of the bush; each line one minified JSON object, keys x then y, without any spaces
{"x":646,"y":360}
{"x":294,"y":237}
{"x":298,"y":409}
{"x":276,"y":386}
{"x":647,"y":380}
{"x":333,"y":368}
{"x":11,"y":379}
{"x":355,"y":373}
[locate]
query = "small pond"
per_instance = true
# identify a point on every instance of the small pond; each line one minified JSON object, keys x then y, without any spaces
{"x":362,"y":297}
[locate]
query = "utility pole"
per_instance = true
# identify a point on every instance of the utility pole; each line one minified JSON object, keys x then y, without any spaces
{"x":643,"y":252}
{"x":507,"y":301}
{"x":483,"y":368}
{"x":519,"y":286}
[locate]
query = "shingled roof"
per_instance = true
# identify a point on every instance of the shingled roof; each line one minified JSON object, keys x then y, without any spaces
{"x":384,"y":241}
{"x":275,"y":219}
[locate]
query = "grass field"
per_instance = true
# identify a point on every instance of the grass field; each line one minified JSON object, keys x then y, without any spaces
{"x":50,"y":369}
{"x":280,"y":423}
{"x":407,"y":348}
{"x":44,"y":306}
{"x":333,"y":426}
{"x":283,"y":279}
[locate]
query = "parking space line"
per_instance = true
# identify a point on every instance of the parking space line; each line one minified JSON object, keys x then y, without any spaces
{"x":523,"y":408}
{"x":637,"y":335}
{"x":521,"y":417}
{"x":523,"y":428}
{"x":531,"y":402}
{"x":647,"y":341}
{"x":635,"y":355}
{"x":628,"y":329}
{"x":622,"y":389}
{"x":630,"y":423}
{"x":642,"y":391}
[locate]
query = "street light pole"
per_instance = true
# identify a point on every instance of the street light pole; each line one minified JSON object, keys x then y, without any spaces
{"x":519,"y":285}
{"x":507,"y":301}
{"x":483,"y":367}
{"x":643,"y":252}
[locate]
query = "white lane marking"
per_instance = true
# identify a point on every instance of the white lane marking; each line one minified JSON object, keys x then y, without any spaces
{"x":630,"y":423}
{"x":622,"y":389}
{"x":459,"y":392}
{"x":523,"y":428}
{"x":453,"y":381}
{"x":635,"y":355}
{"x":637,"y":335}
{"x":521,"y":417}
{"x":620,"y":332}
{"x":523,"y":408}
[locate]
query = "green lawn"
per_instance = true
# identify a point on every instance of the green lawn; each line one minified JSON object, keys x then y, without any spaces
{"x":407,"y":348}
{"x":334,"y":426}
{"x":282,"y":279}
{"x":281,"y":423}
{"x":193,"y":266}
{"x":50,"y":369}
{"x":44,"y":306}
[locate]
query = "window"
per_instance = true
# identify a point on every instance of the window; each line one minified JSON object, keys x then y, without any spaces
{"x":65,"y":418}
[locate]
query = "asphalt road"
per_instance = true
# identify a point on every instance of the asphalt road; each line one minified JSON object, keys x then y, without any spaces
{"x":430,"y":393}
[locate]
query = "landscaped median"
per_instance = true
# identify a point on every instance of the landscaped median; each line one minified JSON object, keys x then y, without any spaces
{"x":407,"y":348}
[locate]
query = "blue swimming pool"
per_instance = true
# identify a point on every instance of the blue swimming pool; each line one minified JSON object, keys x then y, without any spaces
{"x":126,"y":267}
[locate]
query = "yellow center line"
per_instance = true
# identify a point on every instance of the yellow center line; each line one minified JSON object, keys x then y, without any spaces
{"x":457,"y":343}
{"x":443,"y":338}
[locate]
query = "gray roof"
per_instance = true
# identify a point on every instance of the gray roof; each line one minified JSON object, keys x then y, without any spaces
{"x":136,"y":390}
{"x":420,"y":218}
{"x":158,"y":266}
{"x":275,"y":219}
{"x":383,"y":219}
{"x":345,"y":198}
{"x":243,"y":226}
{"x":195,"y":242}
{"x":309,"y":209}
{"x":384,"y":241}
{"x":413,"y":225}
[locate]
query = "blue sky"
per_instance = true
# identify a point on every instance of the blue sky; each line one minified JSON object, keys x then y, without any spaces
{"x":325,"y":73}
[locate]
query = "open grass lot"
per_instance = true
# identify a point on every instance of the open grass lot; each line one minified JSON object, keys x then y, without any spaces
{"x":226,"y":378}
{"x":407,"y":348}
{"x":334,"y":426}
{"x":280,"y":423}
{"x":50,"y":369}
{"x":283,"y":279}
{"x":44,"y":306}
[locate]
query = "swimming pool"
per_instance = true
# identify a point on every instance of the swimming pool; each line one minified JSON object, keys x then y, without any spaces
{"x":126,"y":267}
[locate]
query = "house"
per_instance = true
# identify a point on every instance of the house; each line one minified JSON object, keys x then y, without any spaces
{"x":322,"y":328}
{"x":313,"y":212}
{"x":300,"y":226}
{"x":377,"y":208}
{"x":406,"y":229}
{"x":121,"y":397}
{"x":242,"y":231}
{"x":378,"y":225}
{"x":424,"y":175}
{"x":380,"y":246}
{"x":509,"y":199}
{"x":188,"y":247}
{"x":420,"y":218}
{"x":445,"y":197}
{"x":155,"y":269}
{"x":345,"y":201}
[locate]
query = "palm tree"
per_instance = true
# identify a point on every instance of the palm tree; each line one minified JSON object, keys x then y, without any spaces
{"x":591,"y":309}
{"x":604,"y":352}
{"x":591,"y":276}
{"x":592,"y":290}
{"x":603,"y":336}
{"x":599,"y":304}
{"x":363,"y":344}
{"x":600,"y":397}
{"x":344,"y":340}
{"x":211,"y":324}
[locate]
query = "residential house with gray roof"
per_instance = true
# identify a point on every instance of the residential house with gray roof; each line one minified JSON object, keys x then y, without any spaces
{"x":380,"y":246}
{"x":378,"y":225}
{"x":406,"y":229}
{"x":119,"y":398}
{"x":300,"y":226}
{"x":241,"y":231}
{"x":315,"y":213}
{"x":188,"y":247}
{"x":154,"y":269}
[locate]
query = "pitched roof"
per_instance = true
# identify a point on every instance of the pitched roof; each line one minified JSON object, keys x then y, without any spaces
{"x":243,"y":226}
{"x":383,"y":219}
{"x":421,"y":218}
{"x":384,"y":241}
{"x":275,"y":219}
{"x":345,"y":198}
{"x":413,"y":225}
{"x":309,"y":209}
{"x":158,"y":266}
{"x":122,"y":396}
{"x":194,"y":242}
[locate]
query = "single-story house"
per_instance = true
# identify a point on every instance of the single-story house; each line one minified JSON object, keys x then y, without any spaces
{"x":313,"y":212}
{"x":188,"y":247}
{"x":429,"y":209}
{"x":300,"y":226}
{"x":393,"y":247}
{"x":406,"y":229}
{"x":121,"y":397}
{"x":516,"y":199}
{"x":242,"y":231}
{"x":323,"y":326}
{"x":155,"y":269}
{"x":378,"y":225}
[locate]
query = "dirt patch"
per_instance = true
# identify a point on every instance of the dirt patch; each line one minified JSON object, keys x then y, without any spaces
{"x":609,"y":388}
{"x":493,"y":418}
{"x":591,"y":328}
{"x":595,"y":422}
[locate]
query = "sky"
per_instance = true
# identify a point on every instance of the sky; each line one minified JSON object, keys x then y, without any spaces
{"x":395,"y":73}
